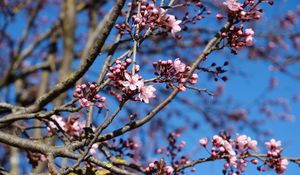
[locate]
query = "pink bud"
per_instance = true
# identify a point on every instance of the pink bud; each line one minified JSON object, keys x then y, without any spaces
{"x":203,"y":142}
{"x":226,"y":165}
{"x":83,"y":86}
{"x":128,"y":60}
{"x":254,"y":161}
{"x":181,"y":88}
{"x":92,"y":86}
{"x":99,"y":105}
{"x":219,"y":16}
{"x":102,"y":99}
{"x":151,"y":165}
{"x":78,"y":90}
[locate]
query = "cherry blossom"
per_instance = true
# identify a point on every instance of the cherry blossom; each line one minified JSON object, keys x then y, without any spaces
{"x":249,"y":38}
{"x":203,"y":142}
{"x":59,"y":120}
{"x":244,"y":142}
{"x":233,"y":5}
{"x":133,"y":82}
{"x":274,"y":147}
{"x":179,"y":66}
{"x":94,"y":148}
{"x":169,"y":169}
{"x":153,"y":17}
{"x":88,"y":95}
{"x":146,"y":93}
{"x":84,"y":102}
{"x":281,"y":167}
{"x":170,"y":21}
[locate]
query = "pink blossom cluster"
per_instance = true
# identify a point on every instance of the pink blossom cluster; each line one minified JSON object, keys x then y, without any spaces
{"x":249,"y":37}
{"x":172,"y":72}
{"x":233,"y":5}
{"x":247,"y":11}
{"x":58,"y":124}
{"x":244,"y":143}
{"x":242,"y":11}
{"x":236,"y":152}
{"x":274,"y":158}
{"x":124,"y":84}
{"x":237,"y":37}
{"x":154,"y":17}
{"x":231,"y":150}
{"x":87,"y":95}
{"x":72,"y":126}
{"x":159,"y":166}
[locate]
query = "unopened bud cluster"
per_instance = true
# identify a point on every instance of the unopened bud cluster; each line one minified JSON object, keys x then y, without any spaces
{"x":87,"y":95}
{"x":174,"y":72}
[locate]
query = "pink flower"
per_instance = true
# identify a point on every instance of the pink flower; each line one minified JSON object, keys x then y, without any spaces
{"x":203,"y":142}
{"x":84,"y":102}
{"x":228,"y":147}
{"x":273,"y":144}
{"x":233,"y":160}
{"x":179,"y":66}
{"x":76,"y":128}
{"x":194,"y":79}
{"x":59,"y":121}
{"x":217,"y":140}
{"x":146,"y":93}
{"x":249,"y":41}
{"x":274,"y":147}
{"x":132,"y":82}
{"x":170,"y":21}
{"x":249,"y":38}
{"x":281,"y":167}
{"x":169,"y":170}
{"x":173,"y":24}
{"x":181,"y":88}
{"x":252,"y":144}
{"x":249,"y":31}
{"x":232,"y":5}
{"x":151,"y":165}
{"x":94,"y":148}
{"x":244,"y":142}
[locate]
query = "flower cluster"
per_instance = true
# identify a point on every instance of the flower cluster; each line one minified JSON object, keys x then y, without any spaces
{"x":243,"y":11}
{"x":128,"y":85}
{"x":224,"y":147}
{"x":72,"y":126}
{"x":237,"y":37}
{"x":57,"y":123}
{"x":236,"y":152}
{"x":87,"y":95}
{"x":174,"y":72}
{"x":159,"y":166}
{"x":274,"y":159}
{"x":247,"y":11}
{"x":233,"y":5}
{"x":152,"y":17}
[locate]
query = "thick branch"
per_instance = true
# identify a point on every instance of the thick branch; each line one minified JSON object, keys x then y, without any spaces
{"x":93,"y":53}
